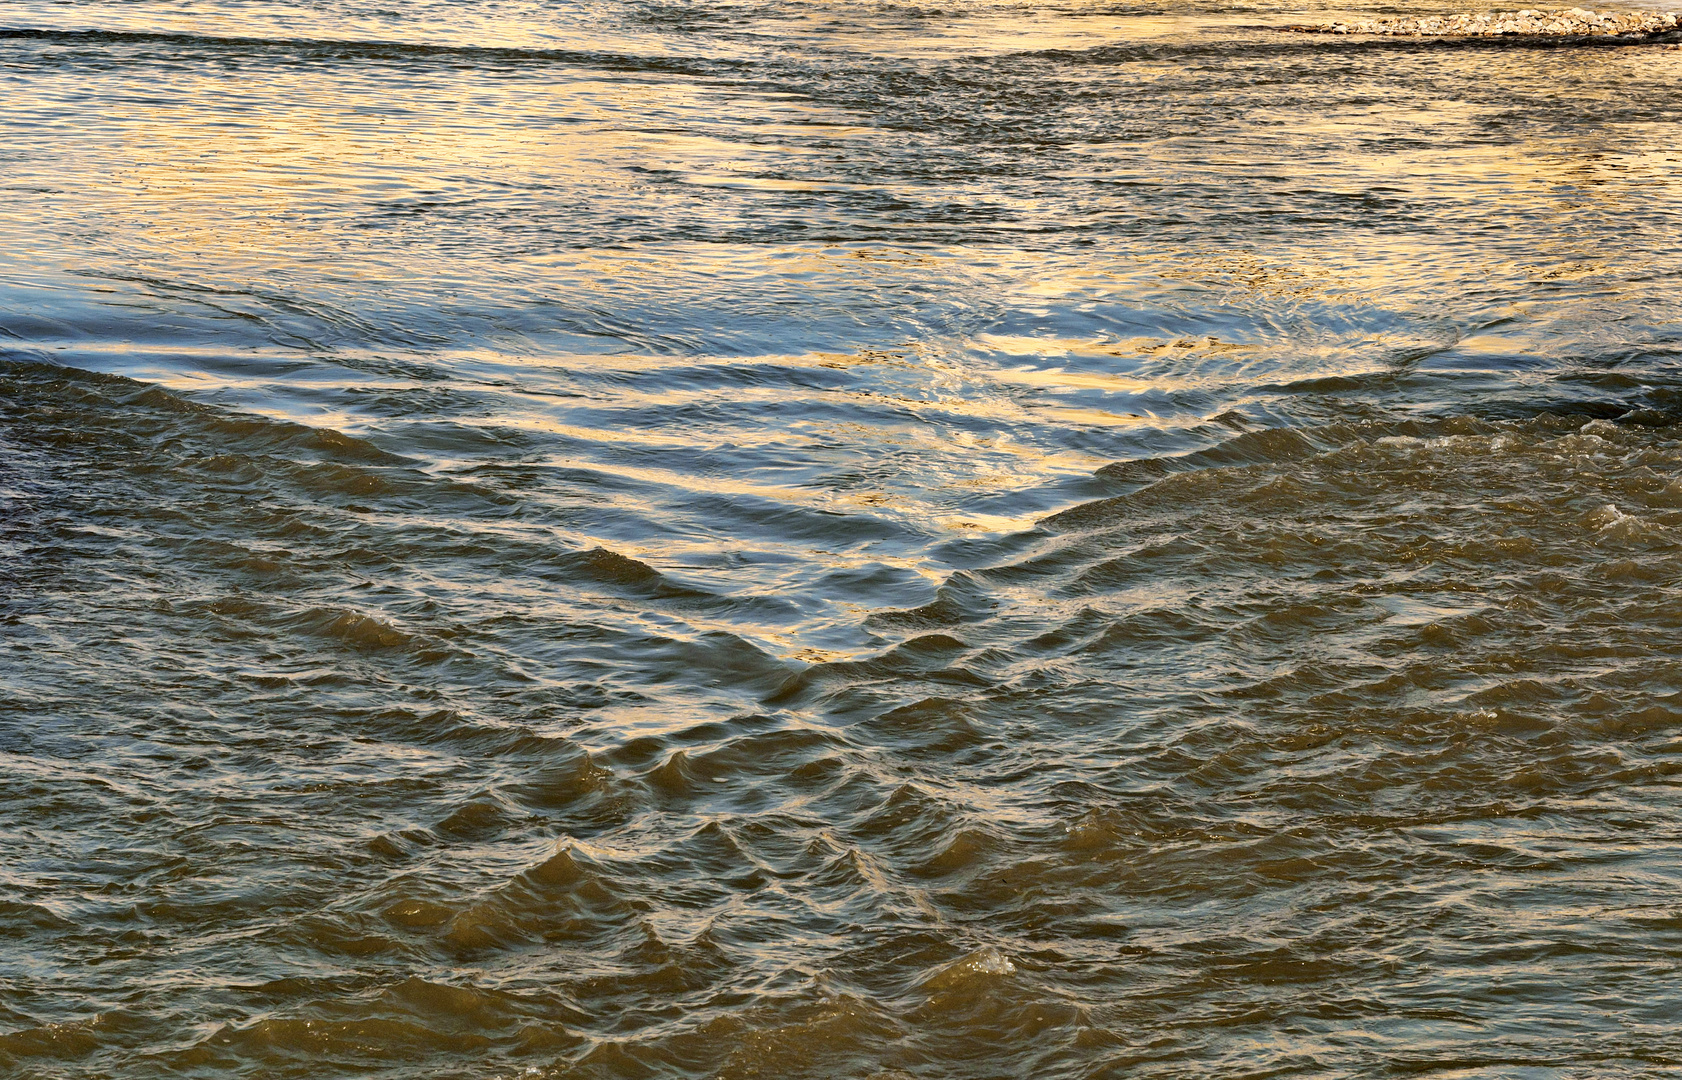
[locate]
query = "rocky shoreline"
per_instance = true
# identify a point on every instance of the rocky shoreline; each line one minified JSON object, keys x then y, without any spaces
{"x":1561,"y":22}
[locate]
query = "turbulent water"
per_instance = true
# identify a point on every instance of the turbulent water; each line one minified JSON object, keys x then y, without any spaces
{"x":834,"y":539}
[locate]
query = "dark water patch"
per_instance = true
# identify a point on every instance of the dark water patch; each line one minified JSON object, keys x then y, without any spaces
{"x":332,"y":50}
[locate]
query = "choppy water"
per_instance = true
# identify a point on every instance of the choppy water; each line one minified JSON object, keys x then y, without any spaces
{"x":838,"y":539}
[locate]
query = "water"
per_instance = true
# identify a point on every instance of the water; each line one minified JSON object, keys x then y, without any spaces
{"x":841,"y":539}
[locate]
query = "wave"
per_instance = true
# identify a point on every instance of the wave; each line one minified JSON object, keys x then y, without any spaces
{"x":340,"y":49}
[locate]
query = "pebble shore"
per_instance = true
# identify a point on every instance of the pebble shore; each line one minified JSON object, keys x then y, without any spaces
{"x":1562,"y":22}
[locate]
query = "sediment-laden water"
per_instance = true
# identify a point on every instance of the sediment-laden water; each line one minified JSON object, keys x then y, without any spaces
{"x":835,"y":539}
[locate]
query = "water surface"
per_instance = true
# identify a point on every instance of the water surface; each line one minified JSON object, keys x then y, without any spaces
{"x":840,"y":539}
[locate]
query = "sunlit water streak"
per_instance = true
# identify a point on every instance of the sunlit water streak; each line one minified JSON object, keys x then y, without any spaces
{"x":833,"y":539}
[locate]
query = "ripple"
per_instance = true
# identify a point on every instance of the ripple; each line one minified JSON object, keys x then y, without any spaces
{"x":844,"y":539}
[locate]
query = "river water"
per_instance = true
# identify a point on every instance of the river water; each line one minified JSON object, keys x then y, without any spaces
{"x":834,"y":539}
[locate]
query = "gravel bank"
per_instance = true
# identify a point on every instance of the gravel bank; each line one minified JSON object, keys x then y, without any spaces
{"x":1561,"y":22}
